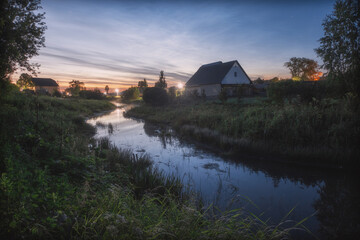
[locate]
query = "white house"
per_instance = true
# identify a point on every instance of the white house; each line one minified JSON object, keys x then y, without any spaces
{"x":212,"y":77}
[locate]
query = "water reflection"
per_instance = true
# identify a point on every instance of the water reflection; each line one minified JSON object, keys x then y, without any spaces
{"x":338,"y":208}
{"x":263,"y":187}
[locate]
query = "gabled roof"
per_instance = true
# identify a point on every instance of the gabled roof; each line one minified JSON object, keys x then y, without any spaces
{"x":44,"y":82}
{"x":212,"y":73}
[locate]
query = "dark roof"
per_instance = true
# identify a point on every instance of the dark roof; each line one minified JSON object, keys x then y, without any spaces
{"x":212,"y":73}
{"x":44,"y":82}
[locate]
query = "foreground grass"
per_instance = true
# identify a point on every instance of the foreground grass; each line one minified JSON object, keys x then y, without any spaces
{"x":58,"y":182}
{"x":321,"y":132}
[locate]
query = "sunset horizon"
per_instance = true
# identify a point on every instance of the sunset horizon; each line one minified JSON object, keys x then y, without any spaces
{"x":118,"y":43}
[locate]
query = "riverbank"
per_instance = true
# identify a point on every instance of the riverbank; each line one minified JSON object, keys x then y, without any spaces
{"x":322,"y":133}
{"x":59,"y":182}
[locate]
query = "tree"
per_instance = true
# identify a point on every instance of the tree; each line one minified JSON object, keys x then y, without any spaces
{"x":25,"y":81}
{"x":21,"y":35}
{"x":155,"y":96}
{"x":259,"y":81}
{"x":162,"y":82}
{"x":172,"y":93}
{"x":131,"y":94}
{"x":274,"y":79}
{"x":143,"y":84}
{"x":340,"y":46}
{"x":75,"y":86}
{"x":107,"y":89}
{"x":302,"y":68}
{"x":91,"y":94}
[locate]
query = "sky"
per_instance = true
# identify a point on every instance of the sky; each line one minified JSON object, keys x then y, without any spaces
{"x":119,"y":43}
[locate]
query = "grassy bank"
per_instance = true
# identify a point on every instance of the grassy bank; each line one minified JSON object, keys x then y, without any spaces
{"x":321,"y":132}
{"x":57,"y":182}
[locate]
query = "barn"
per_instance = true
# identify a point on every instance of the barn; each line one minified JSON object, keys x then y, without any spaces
{"x":211,"y":78}
{"x":46,"y":85}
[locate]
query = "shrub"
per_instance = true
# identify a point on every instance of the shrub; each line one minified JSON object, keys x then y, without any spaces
{"x":304,"y":91}
{"x":56,"y":93}
{"x":172,"y":93}
{"x":222,"y":95}
{"x":155,"y":96}
{"x":132,"y":93}
{"x":91,"y":94}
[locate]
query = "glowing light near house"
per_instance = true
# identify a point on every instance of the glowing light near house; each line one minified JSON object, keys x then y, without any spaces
{"x":180,"y":85}
{"x":117,"y":92}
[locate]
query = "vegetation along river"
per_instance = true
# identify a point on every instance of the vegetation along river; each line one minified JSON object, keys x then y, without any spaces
{"x":269,"y":190}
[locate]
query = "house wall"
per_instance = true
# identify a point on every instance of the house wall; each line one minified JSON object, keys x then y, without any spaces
{"x":48,"y":89}
{"x":240,"y":77}
{"x":211,"y":90}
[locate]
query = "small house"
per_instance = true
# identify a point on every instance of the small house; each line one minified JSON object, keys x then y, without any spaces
{"x":211,"y":78}
{"x":45,"y":85}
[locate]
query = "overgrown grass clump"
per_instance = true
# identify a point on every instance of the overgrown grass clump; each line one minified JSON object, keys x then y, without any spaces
{"x":326,"y":131}
{"x":59,"y":183}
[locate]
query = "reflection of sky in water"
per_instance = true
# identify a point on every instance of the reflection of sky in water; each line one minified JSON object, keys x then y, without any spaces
{"x":226,"y":184}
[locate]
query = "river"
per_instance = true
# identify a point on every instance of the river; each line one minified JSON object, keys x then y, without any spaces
{"x":270,"y":190}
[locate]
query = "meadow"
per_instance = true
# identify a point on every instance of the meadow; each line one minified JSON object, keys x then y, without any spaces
{"x":318,"y":132}
{"x":57,"y":181}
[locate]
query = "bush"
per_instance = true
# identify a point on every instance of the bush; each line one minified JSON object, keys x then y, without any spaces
{"x":303,"y":91}
{"x":172,"y":93}
{"x":91,"y":94}
{"x":131,"y":94}
{"x":155,"y":96}
{"x":223,"y":95}
{"x":56,"y":93}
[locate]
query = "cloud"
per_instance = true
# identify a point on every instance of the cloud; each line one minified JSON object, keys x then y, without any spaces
{"x":122,"y":42}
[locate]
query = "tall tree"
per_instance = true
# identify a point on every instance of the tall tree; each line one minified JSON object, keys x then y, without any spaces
{"x":25,"y":81}
{"x":107,"y":89}
{"x":21,"y":35}
{"x":302,"y":68}
{"x":75,"y":86}
{"x":143,"y":84}
{"x":162,"y":82}
{"x":340,"y":46}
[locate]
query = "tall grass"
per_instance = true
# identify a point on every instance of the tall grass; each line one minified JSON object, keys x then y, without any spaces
{"x":326,"y":130}
{"x":58,"y":183}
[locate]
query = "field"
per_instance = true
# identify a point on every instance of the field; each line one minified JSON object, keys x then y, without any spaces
{"x":319,"y":132}
{"x":59,"y":182}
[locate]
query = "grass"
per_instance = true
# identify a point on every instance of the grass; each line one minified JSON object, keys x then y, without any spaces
{"x":58,"y":182}
{"x":321,"y":132}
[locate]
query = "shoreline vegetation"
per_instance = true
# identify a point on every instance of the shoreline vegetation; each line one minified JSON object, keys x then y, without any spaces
{"x":320,"y":133}
{"x":57,"y":181}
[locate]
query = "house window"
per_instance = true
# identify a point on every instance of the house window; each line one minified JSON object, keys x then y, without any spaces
{"x":235,"y":74}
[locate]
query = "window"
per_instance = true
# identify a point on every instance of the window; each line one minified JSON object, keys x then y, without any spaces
{"x":235,"y":74}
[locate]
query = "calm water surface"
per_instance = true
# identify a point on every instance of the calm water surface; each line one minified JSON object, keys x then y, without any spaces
{"x":263,"y":188}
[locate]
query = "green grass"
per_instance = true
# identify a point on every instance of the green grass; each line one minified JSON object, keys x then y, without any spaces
{"x":321,"y":132}
{"x":58,"y":183}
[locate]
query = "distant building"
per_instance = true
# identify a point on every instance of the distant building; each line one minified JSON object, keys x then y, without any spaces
{"x":45,"y":85}
{"x":211,"y":78}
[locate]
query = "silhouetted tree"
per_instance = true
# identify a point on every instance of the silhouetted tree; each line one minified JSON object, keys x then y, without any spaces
{"x":172,"y":93}
{"x":107,"y":89}
{"x":259,"y":81}
{"x":21,"y":35}
{"x":25,"y":81}
{"x":155,"y":96}
{"x":302,"y":68}
{"x":75,"y":86}
{"x":162,"y":82}
{"x":340,"y":46}
{"x":275,"y":79}
{"x":143,"y":84}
